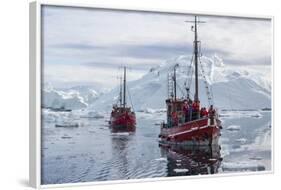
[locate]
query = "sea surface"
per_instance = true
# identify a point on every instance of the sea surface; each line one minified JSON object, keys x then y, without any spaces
{"x":91,"y":153}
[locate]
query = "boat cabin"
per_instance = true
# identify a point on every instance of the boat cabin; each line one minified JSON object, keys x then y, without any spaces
{"x":181,"y":111}
{"x":116,"y":109}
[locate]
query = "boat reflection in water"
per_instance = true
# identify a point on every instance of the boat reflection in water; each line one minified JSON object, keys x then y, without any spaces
{"x":120,"y":156}
{"x":191,"y":160}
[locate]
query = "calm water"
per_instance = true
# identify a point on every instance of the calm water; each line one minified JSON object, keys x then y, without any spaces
{"x":91,"y":152}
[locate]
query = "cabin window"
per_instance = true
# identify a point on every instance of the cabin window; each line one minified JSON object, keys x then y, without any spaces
{"x":179,"y":107}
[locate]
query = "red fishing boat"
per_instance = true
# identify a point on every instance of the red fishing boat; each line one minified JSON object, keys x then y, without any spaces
{"x":187,"y":121}
{"x":122,"y":118}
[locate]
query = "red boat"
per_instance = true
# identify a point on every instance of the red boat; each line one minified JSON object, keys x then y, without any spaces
{"x":122,"y":118}
{"x":188,"y":123}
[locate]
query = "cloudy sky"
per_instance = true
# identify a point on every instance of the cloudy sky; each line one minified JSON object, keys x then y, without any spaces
{"x":88,"y":46}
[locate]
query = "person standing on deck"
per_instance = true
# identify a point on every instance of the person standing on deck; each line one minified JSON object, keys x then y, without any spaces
{"x":185,"y":111}
{"x":205,"y":112}
{"x":190,"y":110}
{"x":202,"y":112}
{"x":196,"y":110}
{"x":212,"y":113}
{"x":193,"y":110}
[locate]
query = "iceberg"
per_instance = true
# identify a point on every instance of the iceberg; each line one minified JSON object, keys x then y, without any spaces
{"x":73,"y":98}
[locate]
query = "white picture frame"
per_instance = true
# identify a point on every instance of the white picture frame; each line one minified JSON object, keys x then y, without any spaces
{"x":35,"y":91}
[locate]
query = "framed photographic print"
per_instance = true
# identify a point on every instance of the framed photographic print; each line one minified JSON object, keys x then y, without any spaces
{"x":120,"y":95}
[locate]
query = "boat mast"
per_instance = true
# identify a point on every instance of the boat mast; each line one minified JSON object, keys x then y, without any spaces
{"x":124,"y":88}
{"x":196,"y":95}
{"x":120,"y":93}
{"x":196,"y":56}
{"x":175,"y":83}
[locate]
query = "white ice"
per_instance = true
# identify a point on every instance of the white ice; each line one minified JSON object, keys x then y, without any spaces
{"x":180,"y":170}
{"x":233,"y":127}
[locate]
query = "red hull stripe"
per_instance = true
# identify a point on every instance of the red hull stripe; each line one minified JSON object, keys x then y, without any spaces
{"x":185,"y":127}
{"x":197,"y":130}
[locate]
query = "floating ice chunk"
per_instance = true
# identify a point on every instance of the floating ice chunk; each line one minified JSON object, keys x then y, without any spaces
{"x":213,"y":159}
{"x":233,"y":128}
{"x":121,"y":134}
{"x":241,"y":140}
{"x":161,"y":159}
{"x":257,"y":115}
{"x":93,"y":114}
{"x":67,"y":125}
{"x":149,"y":110}
{"x":66,"y":137}
{"x":242,"y":166}
{"x":240,"y":113}
{"x":256,"y":158}
{"x":158,"y":123}
{"x":178,"y":170}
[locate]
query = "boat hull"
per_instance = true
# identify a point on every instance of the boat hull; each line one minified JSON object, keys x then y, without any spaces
{"x":197,"y":132}
{"x":123,"y":122}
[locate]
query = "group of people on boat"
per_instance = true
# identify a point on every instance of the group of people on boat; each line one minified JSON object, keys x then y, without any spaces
{"x":190,"y":111}
{"x":119,"y":109}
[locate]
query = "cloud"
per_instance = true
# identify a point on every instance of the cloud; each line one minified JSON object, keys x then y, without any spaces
{"x":105,"y":39}
{"x":61,"y":74}
{"x":79,"y":46}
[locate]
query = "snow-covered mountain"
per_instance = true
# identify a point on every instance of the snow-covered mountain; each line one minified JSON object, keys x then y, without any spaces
{"x":233,"y":87}
{"x":76,"y":97}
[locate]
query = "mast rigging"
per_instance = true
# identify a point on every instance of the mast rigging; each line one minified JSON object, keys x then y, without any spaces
{"x":196,"y":55}
{"x":124,"y":88}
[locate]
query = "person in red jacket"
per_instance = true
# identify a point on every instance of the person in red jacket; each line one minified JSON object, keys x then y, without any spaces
{"x":203,"y":112}
{"x":206,"y":112}
{"x":196,"y":109}
{"x":197,"y":104}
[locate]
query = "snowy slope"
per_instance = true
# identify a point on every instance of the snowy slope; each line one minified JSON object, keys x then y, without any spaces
{"x":233,"y":87}
{"x":77,"y":97}
{"x":88,"y":94}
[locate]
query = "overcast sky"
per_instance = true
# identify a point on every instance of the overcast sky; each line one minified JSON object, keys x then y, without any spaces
{"x":88,"y":46}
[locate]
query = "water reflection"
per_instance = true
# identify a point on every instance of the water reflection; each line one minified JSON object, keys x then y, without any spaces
{"x":189,"y":160}
{"x":120,"y":153}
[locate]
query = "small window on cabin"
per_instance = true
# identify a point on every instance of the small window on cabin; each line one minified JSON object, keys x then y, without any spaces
{"x":179,"y":107}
